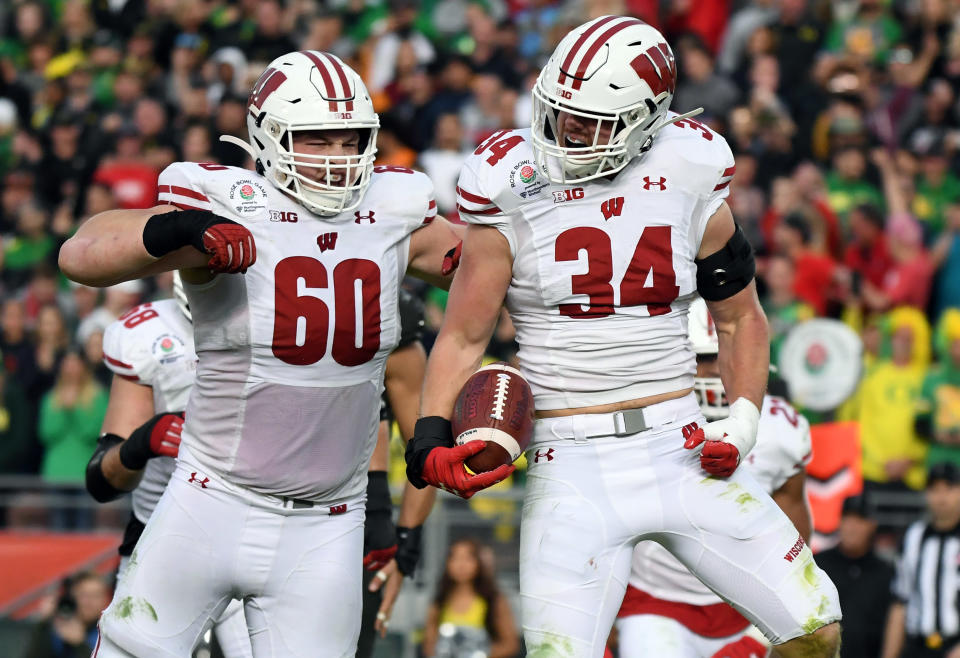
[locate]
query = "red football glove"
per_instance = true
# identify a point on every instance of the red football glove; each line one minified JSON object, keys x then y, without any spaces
{"x":230,"y":246}
{"x":444,"y":469}
{"x":165,"y":437}
{"x":716,"y":458}
{"x":451,"y":259}
{"x":745,"y":647}
{"x":158,"y":437}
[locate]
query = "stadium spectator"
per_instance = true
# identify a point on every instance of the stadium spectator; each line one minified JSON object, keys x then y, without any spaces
{"x":18,"y":452}
{"x":867,"y":254}
{"x":784,"y":310}
{"x":71,"y":632}
{"x":815,"y":273}
{"x":700,"y":85}
{"x":885,"y":406}
{"x":945,"y":257}
{"x":862,"y":579}
{"x":468,"y":611}
{"x":442,"y":161}
{"x":117,"y":300}
{"x":70,"y":418}
{"x":938,"y":412}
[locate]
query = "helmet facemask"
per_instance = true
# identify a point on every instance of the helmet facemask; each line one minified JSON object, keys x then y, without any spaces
{"x":601,"y":155}
{"x":342,"y":179}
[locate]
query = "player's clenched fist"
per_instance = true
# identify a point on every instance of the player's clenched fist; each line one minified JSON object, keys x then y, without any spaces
{"x":725,"y":442}
{"x":432,"y":460}
{"x":230,"y":245}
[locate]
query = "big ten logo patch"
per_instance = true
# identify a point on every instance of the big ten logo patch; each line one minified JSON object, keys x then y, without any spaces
{"x":247,"y":197}
{"x":283,"y":216}
{"x":569,"y":194}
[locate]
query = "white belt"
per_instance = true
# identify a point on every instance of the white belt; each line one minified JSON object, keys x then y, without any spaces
{"x":621,"y":423}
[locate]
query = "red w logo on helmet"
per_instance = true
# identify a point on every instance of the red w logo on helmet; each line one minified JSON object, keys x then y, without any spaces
{"x":657,"y":68}
{"x":266,"y":84}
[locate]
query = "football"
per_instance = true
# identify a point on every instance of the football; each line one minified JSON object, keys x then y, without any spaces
{"x":495,"y":406}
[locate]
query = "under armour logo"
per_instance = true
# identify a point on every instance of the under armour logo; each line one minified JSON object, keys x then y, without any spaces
{"x":661,"y":184}
{"x":548,"y":455}
{"x":202,"y":483}
{"x":338,"y":509}
{"x":368,"y":217}
{"x":327,"y":241}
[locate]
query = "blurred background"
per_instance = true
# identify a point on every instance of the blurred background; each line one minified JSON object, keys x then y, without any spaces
{"x":843,"y":115}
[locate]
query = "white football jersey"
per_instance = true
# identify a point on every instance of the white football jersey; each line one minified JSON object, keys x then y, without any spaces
{"x":783,"y":449}
{"x":152,"y":345}
{"x":292,"y":352}
{"x":603,"y":272}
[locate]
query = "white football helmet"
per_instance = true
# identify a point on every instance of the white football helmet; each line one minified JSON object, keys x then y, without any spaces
{"x":617,"y":71}
{"x":705,"y":343}
{"x":311,"y":90}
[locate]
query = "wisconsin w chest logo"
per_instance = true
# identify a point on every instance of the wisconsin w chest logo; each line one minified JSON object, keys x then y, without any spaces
{"x":327,"y":241}
{"x":612,"y":207}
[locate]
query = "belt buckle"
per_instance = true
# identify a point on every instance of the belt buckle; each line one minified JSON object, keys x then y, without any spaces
{"x":629,"y":422}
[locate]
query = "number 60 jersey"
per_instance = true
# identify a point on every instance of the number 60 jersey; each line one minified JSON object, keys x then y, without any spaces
{"x":291,"y":354}
{"x":603,"y":271}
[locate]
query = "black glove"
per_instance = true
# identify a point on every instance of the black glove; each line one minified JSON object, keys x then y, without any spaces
{"x":408,"y":549}
{"x":159,"y":436}
{"x":430,"y":432}
{"x":379,"y":536}
{"x":229,"y":243}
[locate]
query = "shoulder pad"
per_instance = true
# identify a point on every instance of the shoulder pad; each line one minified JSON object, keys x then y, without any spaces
{"x":702,"y":155}
{"x":134,"y":343}
{"x":504,"y":168}
{"x":210,"y":186}
{"x":407,"y":193}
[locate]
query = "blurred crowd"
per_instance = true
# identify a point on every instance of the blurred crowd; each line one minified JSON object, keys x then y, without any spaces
{"x":844,"y":117}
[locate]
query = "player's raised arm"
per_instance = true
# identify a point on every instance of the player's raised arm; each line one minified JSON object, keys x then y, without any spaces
{"x":120,"y":245}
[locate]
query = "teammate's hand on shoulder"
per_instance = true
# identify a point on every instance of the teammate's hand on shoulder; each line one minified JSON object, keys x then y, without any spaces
{"x":745,"y":647}
{"x":723,"y":443}
{"x":230,"y":245}
{"x":432,"y":460}
{"x":158,"y":437}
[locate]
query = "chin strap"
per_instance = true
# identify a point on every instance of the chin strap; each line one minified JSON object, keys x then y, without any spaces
{"x":236,"y":141}
{"x":679,"y":117}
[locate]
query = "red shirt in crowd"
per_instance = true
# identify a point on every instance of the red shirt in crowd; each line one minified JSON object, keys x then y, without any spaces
{"x":872,"y":262}
{"x":813,"y":279}
{"x":908,"y":284}
{"x":133,"y":184}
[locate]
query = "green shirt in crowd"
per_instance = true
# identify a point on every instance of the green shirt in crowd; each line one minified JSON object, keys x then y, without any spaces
{"x":930,"y":202}
{"x":843,"y":195}
{"x":69,"y":436}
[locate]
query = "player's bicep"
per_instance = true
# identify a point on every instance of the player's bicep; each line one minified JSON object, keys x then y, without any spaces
{"x":428,"y":246}
{"x":130,"y":406}
{"x":480,"y":286}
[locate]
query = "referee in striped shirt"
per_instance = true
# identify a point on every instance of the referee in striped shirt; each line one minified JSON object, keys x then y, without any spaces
{"x":924,"y":620}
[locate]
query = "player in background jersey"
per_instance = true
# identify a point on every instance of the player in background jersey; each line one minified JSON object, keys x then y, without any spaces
{"x":150,"y":351}
{"x":292,"y":274}
{"x":668,"y":612}
{"x":598,"y":226}
{"x":403,"y":380}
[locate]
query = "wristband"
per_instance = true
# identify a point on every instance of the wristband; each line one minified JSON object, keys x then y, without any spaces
{"x":169,"y":231}
{"x":430,"y":432}
{"x":135,"y":451}
{"x":378,"y":492}
{"x":408,"y":549}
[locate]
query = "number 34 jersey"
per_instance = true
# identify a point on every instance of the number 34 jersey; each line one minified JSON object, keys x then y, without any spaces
{"x":291,"y":354}
{"x":603,"y":271}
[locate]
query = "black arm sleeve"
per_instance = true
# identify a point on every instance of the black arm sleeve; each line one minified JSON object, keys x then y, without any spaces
{"x":723,"y":274}
{"x":97,"y":484}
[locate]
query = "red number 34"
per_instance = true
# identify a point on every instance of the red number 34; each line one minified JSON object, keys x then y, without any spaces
{"x":653,"y":252}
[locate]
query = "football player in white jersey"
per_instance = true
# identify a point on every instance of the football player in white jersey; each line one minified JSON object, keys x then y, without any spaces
{"x":267,"y":502}
{"x":668,"y":612}
{"x":598,"y":226}
{"x":150,"y":351}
